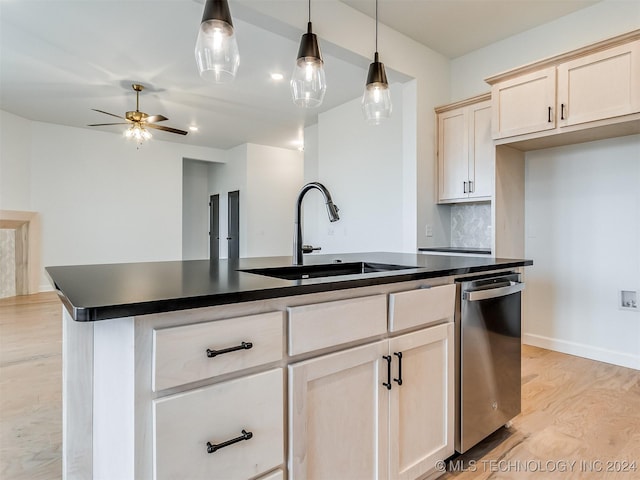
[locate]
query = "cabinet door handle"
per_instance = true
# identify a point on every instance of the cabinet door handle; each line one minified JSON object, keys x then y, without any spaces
{"x":549,"y":114}
{"x":562,"y":111}
{"x":242,"y":346}
{"x":212,"y":447}
{"x":464,"y":187}
{"x":470,"y":186}
{"x":399,"y":379}
{"x":388,"y":359}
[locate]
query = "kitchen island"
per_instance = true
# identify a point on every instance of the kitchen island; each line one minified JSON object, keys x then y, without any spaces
{"x":199,"y":369}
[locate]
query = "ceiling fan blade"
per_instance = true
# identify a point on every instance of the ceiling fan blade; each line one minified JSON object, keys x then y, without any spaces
{"x":166,"y":129}
{"x":155,"y":118}
{"x":107,"y":113}
{"x":103,"y":124}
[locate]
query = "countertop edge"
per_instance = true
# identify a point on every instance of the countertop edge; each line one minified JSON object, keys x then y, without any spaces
{"x":106,"y":312}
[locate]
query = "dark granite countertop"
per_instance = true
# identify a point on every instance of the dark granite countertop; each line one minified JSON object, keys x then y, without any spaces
{"x":99,"y":292}
{"x":478,"y":251}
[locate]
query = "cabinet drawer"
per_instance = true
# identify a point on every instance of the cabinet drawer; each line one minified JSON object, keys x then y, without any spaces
{"x":184,"y":423}
{"x":321,"y":325}
{"x":421,"y":307}
{"x":180,"y":353}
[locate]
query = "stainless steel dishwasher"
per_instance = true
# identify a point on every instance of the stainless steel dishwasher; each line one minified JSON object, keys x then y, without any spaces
{"x":488,"y":335}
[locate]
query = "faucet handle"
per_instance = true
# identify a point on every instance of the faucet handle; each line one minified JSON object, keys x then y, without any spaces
{"x":309,"y":248}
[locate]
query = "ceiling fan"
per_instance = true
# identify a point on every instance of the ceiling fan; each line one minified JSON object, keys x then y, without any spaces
{"x":139,"y":121}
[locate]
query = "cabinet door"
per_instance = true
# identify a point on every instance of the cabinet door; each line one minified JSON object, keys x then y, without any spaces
{"x":481,"y":151}
{"x":453,"y":156}
{"x":602,"y":85}
{"x":524,"y":104}
{"x":338,"y":415}
{"x":422,"y":407}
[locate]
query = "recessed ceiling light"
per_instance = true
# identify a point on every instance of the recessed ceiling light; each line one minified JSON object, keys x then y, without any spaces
{"x":193,"y":128}
{"x":277,"y":76}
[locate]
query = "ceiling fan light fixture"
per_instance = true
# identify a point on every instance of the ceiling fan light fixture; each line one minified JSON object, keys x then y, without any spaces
{"x":308,"y":82}
{"x":138,"y":133}
{"x":216,"y":49}
{"x":376,"y":100}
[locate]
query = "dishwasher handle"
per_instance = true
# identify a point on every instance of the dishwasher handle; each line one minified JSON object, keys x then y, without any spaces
{"x":474,"y":295}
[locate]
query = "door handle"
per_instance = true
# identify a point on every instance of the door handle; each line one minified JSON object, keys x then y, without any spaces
{"x":212,"y":448}
{"x":399,"y":379}
{"x":388,"y":359}
{"x":474,"y":295}
{"x":549,"y":114}
{"x":242,"y":346}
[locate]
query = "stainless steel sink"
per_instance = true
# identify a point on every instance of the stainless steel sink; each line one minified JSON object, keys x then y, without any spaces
{"x":300,"y":272}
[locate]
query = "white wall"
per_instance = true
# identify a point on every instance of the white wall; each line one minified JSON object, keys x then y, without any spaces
{"x":362,"y":166}
{"x":100,"y":199}
{"x":582,"y":215}
{"x":602,"y":20}
{"x":15,"y":167}
{"x":268,"y":179}
{"x":274,"y":177}
{"x":570,"y":297}
{"x":195,"y":209}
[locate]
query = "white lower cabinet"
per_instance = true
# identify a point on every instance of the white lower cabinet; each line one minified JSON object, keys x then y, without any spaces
{"x":230,"y":430}
{"x":380,"y":411}
{"x":421,"y":408}
{"x":338,"y":415}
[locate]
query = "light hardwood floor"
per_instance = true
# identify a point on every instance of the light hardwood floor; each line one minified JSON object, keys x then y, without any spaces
{"x":574,"y":410}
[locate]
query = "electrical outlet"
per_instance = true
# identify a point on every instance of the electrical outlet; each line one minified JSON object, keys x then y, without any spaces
{"x":629,"y":300}
{"x":428,"y":231}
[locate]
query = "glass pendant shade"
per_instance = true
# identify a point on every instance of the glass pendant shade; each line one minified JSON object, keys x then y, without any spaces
{"x":308,"y":83}
{"x":216,"y":50}
{"x":376,"y":101}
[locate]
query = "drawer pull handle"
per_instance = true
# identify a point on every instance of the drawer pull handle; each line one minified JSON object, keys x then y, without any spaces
{"x":388,"y":359}
{"x":242,"y":346}
{"x":211,"y":447}
{"x":399,"y":379}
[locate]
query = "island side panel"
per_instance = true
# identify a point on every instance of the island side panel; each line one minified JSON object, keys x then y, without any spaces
{"x":77,"y":398}
{"x":114,"y":399}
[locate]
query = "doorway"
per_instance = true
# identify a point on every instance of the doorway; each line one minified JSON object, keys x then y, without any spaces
{"x":214,"y":227}
{"x":233,"y":224}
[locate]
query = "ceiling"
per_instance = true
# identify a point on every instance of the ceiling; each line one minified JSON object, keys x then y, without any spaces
{"x":457,"y":27}
{"x":88,"y":57}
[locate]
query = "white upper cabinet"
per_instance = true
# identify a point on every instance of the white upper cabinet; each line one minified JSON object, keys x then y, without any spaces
{"x":602,"y":85}
{"x":589,"y":89}
{"x":524,"y":104}
{"x":465,"y":151}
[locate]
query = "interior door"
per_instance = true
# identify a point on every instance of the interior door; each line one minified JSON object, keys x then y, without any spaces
{"x":214,"y":227}
{"x":233,"y":222}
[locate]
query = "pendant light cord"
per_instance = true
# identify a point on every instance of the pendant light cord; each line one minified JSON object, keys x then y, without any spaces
{"x":376,"y":25}
{"x":310,"y":11}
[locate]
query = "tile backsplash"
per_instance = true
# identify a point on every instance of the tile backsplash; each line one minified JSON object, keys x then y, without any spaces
{"x":471,"y":225}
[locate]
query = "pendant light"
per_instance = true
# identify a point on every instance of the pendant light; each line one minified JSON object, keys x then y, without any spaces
{"x":216,"y":48}
{"x":376,"y":101}
{"x":308,"y":83}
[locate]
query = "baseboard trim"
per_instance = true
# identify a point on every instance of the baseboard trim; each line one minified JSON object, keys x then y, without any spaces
{"x":582,"y":350}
